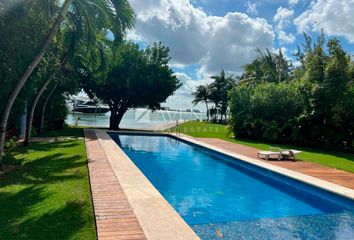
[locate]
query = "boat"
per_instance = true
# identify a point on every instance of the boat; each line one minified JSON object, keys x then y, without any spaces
{"x":90,"y":107}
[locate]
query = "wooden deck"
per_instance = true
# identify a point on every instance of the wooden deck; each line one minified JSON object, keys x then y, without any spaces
{"x":115,"y":219}
{"x":336,"y":176}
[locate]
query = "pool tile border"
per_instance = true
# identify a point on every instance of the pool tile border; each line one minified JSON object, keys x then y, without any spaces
{"x":313,"y":181}
{"x":157,"y":217}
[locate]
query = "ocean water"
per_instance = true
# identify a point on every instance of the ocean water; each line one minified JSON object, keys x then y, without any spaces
{"x":133,"y":119}
{"x":222,"y":198}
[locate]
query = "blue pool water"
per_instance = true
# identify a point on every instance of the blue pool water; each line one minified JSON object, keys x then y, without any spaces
{"x":219,"y":196}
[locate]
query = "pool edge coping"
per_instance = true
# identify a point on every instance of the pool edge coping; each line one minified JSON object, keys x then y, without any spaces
{"x":158,"y":219}
{"x":149,"y":229}
{"x":304,"y":178}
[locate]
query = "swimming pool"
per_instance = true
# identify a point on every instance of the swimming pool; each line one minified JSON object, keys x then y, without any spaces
{"x":219,"y":196}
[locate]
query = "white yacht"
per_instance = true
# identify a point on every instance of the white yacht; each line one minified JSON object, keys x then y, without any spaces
{"x":89,"y":107}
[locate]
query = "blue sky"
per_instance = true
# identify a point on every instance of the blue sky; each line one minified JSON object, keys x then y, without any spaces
{"x":266,"y":9}
{"x":205,"y":36}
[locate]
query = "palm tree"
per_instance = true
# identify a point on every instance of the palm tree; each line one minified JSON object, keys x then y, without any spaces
{"x":202,"y":94}
{"x":44,"y":107}
{"x":267,"y":67}
{"x":30,"y":114}
{"x":95,"y":15}
{"x":219,"y":91}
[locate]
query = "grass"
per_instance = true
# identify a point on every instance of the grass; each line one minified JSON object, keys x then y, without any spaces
{"x":46,"y":193}
{"x":339,"y":160}
{"x":66,"y":132}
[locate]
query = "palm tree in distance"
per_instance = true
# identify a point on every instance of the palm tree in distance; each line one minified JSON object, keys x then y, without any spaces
{"x":201,"y":95}
{"x":114,"y":15}
{"x":219,"y":91}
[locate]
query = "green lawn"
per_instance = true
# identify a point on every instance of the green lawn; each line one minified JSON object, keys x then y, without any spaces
{"x":46,"y":194}
{"x":339,"y":160}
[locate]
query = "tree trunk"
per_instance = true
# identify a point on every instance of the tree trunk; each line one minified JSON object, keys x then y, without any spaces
{"x":27,"y":73}
{"x":116,"y":117}
{"x":33,"y":108}
{"x":41,"y":124}
{"x":206,"y":104}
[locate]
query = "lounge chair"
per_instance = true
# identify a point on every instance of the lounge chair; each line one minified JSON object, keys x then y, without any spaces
{"x":289,"y":154}
{"x":268,"y":154}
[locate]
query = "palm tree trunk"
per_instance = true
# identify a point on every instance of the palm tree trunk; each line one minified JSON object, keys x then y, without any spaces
{"x":27,"y":73}
{"x":206,"y":104}
{"x":33,"y":108}
{"x":41,"y":124}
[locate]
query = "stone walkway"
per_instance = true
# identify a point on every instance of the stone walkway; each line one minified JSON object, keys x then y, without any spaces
{"x":115,"y":219}
{"x":336,"y":176}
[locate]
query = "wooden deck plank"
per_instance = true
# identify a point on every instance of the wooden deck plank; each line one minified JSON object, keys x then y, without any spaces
{"x":115,"y":219}
{"x":345,"y":179}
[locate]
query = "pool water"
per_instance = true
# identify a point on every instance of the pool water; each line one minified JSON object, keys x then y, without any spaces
{"x":225,"y":198}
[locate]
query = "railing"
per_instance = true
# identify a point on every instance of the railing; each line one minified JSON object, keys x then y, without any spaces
{"x":174,"y":130}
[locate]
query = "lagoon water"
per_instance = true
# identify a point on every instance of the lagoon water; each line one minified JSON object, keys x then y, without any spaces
{"x":133,"y":119}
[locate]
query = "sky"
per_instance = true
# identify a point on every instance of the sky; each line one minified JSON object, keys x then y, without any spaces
{"x":205,"y":36}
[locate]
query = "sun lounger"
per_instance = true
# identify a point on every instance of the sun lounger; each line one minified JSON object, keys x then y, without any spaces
{"x":289,"y":154}
{"x":269,"y":154}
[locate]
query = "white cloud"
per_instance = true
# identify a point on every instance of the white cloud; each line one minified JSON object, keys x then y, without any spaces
{"x":282,"y":15}
{"x":251,"y":8}
{"x":282,"y":20}
{"x":195,"y":37}
{"x":333,"y":16}
{"x":287,"y":38}
{"x":183,"y":96}
{"x":293,"y":2}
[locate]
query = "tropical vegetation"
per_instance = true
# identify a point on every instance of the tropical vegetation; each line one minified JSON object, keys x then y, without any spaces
{"x":310,"y":104}
{"x":45,"y":43}
{"x":215,"y":93}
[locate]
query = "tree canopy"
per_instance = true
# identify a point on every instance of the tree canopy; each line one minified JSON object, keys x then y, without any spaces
{"x":137,"y":78}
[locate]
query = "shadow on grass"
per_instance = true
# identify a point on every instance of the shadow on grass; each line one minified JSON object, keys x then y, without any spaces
{"x":50,"y":166}
{"x":45,"y":146}
{"x":66,"y":132}
{"x":43,"y":170}
{"x":14,"y":223}
{"x":32,"y":205}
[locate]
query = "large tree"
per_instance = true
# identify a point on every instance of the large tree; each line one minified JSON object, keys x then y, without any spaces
{"x":139,"y":78}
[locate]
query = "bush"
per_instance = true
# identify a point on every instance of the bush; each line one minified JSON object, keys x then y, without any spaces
{"x":267,"y":111}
